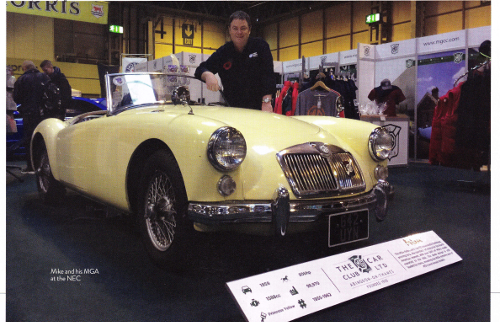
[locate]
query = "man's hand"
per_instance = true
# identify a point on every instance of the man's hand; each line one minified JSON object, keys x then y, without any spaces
{"x":267,"y":106}
{"x":211,"y":81}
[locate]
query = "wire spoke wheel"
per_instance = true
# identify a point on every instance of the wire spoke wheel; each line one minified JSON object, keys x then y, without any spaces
{"x":44,"y":173}
{"x":160,"y":212}
{"x":50,"y":190}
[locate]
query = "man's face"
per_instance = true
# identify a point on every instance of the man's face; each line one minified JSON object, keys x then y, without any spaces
{"x":48,"y":69}
{"x":239,"y":32}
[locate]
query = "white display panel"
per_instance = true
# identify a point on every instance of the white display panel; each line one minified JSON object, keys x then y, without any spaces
{"x":441,"y":42}
{"x":289,"y":293}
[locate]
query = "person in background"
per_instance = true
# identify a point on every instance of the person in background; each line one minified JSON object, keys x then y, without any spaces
{"x":10,"y":104}
{"x":58,"y":78}
{"x":387,"y":93}
{"x":11,"y":80}
{"x":28,"y":92}
{"x":245,"y":67}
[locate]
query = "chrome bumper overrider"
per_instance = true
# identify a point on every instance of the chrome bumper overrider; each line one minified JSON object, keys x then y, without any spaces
{"x":282,"y":211}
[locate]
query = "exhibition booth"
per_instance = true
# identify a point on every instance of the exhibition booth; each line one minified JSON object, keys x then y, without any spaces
{"x":424,"y":69}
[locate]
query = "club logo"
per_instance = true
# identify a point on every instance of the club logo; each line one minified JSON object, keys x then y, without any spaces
{"x":458,"y":57}
{"x":394,"y":132}
{"x":130,"y":67}
{"x":97,"y":10}
{"x":367,"y":50}
{"x":118,"y":81}
{"x":360,"y":264}
{"x":394,"y":49}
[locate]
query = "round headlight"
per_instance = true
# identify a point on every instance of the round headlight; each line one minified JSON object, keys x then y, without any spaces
{"x":381,"y":144}
{"x":226,"y":149}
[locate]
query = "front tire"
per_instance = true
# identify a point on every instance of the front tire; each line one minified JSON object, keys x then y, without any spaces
{"x":162,"y":210}
{"x":49,"y":189}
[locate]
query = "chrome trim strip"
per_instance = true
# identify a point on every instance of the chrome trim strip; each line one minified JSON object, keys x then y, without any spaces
{"x":300,"y":211}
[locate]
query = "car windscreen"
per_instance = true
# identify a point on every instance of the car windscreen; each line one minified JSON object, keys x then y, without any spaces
{"x":128,"y":90}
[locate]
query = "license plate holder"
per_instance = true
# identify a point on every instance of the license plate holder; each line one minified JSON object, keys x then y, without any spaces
{"x":348,"y":227}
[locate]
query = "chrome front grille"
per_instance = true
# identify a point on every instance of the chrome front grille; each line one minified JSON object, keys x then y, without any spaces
{"x":310,"y":172}
{"x":320,"y":170}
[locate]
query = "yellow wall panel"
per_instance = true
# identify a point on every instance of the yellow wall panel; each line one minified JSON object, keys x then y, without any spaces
{"x":275,"y":54}
{"x":363,"y":37}
{"x":361,"y":10}
{"x":213,"y":35}
{"x":208,"y":51}
{"x":440,"y":7}
{"x":471,"y":4}
{"x":478,"y":17}
{"x":338,"y":44}
{"x":289,"y":32}
{"x":312,"y":26}
{"x":338,"y":20}
{"x":401,"y":32}
{"x":312,"y":49}
{"x":270,"y":34}
{"x":167,"y":29}
{"x":29,"y":36}
{"x":443,"y":23}
{"x":89,"y":87}
{"x":401,"y":11}
{"x":289,"y":53}
{"x":187,"y":49}
{"x":162,"y":50}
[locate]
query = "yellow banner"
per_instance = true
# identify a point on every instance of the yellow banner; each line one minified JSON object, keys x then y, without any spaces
{"x":87,"y":11}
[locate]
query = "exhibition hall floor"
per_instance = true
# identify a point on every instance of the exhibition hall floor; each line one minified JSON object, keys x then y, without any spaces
{"x":121,"y":284}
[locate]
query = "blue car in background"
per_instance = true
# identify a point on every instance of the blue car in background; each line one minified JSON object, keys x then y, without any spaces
{"x":79,"y":106}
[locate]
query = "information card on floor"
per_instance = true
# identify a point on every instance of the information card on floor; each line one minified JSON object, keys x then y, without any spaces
{"x":289,"y":293}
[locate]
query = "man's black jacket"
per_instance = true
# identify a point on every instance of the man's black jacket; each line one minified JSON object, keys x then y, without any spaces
{"x":58,"y":78}
{"x":28,"y":91}
{"x":246,"y":77}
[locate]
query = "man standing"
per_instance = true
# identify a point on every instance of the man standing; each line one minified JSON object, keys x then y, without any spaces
{"x":245,"y":66}
{"x":60,"y":80}
{"x":28,"y":92}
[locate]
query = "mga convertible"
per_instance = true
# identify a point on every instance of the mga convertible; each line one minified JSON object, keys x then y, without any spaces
{"x":176,"y":163}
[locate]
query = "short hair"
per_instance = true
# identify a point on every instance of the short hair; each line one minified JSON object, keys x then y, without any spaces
{"x":45,"y":63}
{"x":28,"y":65}
{"x":240,"y":15}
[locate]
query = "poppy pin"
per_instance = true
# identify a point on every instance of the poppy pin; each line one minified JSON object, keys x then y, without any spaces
{"x":227,"y":65}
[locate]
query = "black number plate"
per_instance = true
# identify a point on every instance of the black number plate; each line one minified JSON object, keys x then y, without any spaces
{"x":348,"y":227}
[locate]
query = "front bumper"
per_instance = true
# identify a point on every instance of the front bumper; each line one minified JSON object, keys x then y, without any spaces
{"x":282,"y":211}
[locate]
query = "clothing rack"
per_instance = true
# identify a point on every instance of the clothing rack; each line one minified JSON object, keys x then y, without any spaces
{"x":472,"y":69}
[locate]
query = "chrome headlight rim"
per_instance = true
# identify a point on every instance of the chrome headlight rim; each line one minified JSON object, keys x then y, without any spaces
{"x":226,"y":135}
{"x":376,"y":140}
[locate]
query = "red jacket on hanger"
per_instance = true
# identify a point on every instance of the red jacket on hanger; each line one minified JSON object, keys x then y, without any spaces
{"x":278,"y":108}
{"x":442,"y":146}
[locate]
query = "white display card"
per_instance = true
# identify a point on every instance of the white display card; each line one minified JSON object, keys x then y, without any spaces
{"x":289,"y":293}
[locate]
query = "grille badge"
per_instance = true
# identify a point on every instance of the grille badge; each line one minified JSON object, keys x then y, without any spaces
{"x":349,"y":169}
{"x":323,"y":150}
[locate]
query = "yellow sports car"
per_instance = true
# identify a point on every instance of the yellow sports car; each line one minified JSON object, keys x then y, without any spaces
{"x":177,"y":164}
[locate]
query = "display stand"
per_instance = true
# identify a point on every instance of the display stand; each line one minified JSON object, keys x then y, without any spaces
{"x":398,"y":126}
